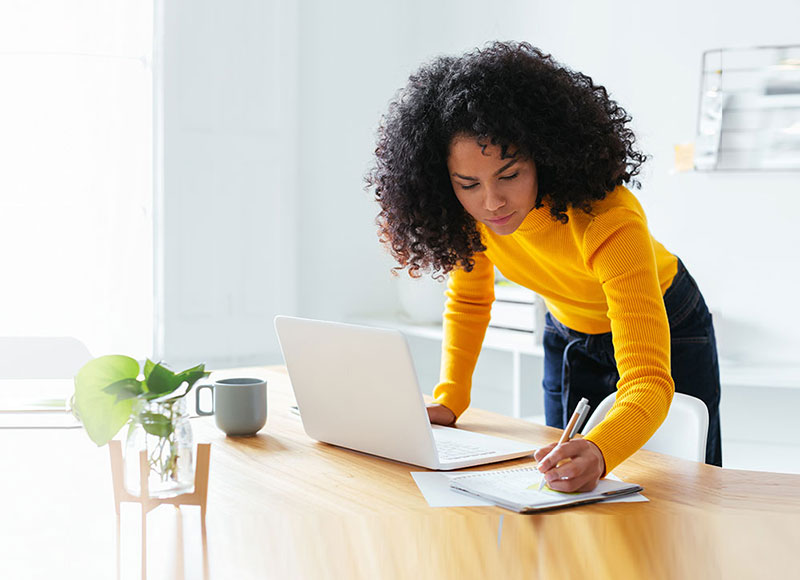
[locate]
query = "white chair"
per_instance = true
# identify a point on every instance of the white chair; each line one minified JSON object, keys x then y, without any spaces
{"x":682,"y":434}
{"x":40,"y":357}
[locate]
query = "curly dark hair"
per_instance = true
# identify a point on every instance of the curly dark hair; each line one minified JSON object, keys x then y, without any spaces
{"x":513,"y":95}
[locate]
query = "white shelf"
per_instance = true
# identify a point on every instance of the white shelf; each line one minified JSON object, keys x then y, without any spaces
{"x":732,"y":373}
{"x":750,"y":375}
{"x":496,"y":338}
{"x":513,"y":342}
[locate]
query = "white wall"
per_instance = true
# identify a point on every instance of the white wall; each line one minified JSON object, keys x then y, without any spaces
{"x":269,"y":118}
{"x":228,"y":196}
{"x":354,"y":56}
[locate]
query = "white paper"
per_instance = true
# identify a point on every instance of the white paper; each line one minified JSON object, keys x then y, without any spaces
{"x":435,"y":488}
{"x":633,"y":498}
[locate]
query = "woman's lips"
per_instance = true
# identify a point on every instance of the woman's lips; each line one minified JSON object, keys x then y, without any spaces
{"x":500,"y":221}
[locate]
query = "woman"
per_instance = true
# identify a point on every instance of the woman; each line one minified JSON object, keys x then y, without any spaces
{"x":505,"y":158}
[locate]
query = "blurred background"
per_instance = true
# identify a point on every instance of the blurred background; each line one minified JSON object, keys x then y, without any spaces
{"x":175,"y":174}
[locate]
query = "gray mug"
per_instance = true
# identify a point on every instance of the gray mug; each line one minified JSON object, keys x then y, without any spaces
{"x":239,"y":405}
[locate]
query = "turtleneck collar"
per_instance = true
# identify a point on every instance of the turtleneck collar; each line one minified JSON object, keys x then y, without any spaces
{"x":536,"y":220}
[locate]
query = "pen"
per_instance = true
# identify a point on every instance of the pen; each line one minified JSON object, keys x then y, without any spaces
{"x":568,"y":432}
{"x":584,"y":411}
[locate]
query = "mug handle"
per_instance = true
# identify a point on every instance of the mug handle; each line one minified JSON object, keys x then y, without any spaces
{"x":197,"y":400}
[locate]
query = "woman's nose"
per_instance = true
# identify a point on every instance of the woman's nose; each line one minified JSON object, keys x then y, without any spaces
{"x":492,"y":201}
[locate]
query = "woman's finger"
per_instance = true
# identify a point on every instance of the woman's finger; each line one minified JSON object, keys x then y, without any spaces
{"x":558,"y":453}
{"x":542,"y":452}
{"x":579,"y":470}
{"x":567,"y":469}
{"x":583,"y":482}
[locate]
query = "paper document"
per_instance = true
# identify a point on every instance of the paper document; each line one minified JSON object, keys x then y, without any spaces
{"x":517,"y":489}
{"x":435,"y":488}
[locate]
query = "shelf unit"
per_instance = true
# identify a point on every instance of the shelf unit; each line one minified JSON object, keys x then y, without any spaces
{"x":515,"y":343}
{"x":749,"y":110}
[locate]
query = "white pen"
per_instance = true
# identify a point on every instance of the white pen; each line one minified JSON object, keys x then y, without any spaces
{"x":565,"y":436}
{"x":584,"y":412}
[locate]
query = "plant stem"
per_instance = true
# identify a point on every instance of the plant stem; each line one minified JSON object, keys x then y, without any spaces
{"x":163,"y":453}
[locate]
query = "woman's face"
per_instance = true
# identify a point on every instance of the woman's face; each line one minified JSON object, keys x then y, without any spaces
{"x":498,"y":192}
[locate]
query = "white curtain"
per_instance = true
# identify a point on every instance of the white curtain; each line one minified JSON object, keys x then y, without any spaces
{"x":76,"y":172}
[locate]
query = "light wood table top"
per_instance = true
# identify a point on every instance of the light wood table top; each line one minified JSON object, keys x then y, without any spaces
{"x":281,"y":505}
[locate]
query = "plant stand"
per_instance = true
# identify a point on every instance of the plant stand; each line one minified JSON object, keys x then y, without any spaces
{"x":197,"y":497}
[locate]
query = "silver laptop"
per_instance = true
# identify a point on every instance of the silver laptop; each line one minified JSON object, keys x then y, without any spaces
{"x":356,"y":387}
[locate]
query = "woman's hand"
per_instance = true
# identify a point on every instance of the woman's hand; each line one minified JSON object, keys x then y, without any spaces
{"x":582,"y":465}
{"x":440,"y":415}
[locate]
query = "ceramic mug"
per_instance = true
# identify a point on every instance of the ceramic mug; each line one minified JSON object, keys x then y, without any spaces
{"x":239,"y":405}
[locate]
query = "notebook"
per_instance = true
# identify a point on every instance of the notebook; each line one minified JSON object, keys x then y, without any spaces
{"x":516,"y":489}
{"x":356,"y":387}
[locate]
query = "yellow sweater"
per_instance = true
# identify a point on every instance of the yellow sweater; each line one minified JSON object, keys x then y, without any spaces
{"x":599,"y":272}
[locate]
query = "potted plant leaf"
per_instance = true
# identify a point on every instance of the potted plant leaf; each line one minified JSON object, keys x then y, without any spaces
{"x":112,"y":391}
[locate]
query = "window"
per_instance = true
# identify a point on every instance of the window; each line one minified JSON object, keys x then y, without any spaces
{"x":76,"y":185}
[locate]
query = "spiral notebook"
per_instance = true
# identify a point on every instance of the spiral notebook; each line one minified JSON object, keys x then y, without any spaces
{"x":516,"y":489}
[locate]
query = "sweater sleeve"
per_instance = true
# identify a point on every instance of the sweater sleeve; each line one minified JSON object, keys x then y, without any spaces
{"x":618,"y":248}
{"x":466,"y":315}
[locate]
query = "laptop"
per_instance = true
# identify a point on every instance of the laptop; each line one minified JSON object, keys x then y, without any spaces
{"x":356,"y":387}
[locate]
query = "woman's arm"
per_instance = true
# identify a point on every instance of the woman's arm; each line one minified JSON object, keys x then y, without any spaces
{"x":467,"y":311}
{"x":618,"y":249}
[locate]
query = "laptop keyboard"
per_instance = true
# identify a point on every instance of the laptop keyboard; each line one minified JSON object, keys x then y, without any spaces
{"x":451,"y":451}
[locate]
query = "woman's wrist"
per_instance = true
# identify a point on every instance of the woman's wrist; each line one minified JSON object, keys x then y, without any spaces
{"x":601,"y":457}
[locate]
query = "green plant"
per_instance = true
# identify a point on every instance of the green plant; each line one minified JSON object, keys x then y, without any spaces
{"x":106,"y":388}
{"x":112,"y":390}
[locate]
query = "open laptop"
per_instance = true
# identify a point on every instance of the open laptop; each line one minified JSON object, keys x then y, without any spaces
{"x":356,"y":388}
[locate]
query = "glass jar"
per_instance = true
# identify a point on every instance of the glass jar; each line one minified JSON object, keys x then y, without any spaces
{"x":162,"y":431}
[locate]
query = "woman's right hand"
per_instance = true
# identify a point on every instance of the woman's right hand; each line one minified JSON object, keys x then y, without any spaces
{"x":440,"y":415}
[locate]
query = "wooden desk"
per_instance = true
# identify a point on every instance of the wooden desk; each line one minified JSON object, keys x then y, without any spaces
{"x":283,"y":506}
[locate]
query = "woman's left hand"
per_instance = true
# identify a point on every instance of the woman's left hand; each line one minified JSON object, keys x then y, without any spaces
{"x":582,"y":465}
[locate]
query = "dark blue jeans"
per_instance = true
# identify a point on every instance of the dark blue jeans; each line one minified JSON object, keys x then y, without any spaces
{"x":582,"y":365}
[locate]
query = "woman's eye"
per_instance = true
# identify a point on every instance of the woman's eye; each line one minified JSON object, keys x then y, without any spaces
{"x":468,"y":186}
{"x":510,"y":176}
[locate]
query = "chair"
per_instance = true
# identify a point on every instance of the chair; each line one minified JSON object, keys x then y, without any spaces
{"x":38,"y":357}
{"x":682,"y":434}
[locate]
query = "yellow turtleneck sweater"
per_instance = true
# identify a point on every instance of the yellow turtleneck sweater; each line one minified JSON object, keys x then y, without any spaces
{"x":599,"y":272}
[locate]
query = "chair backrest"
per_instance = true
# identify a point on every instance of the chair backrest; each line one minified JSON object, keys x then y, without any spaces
{"x":39,"y":357}
{"x":682,"y":434}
